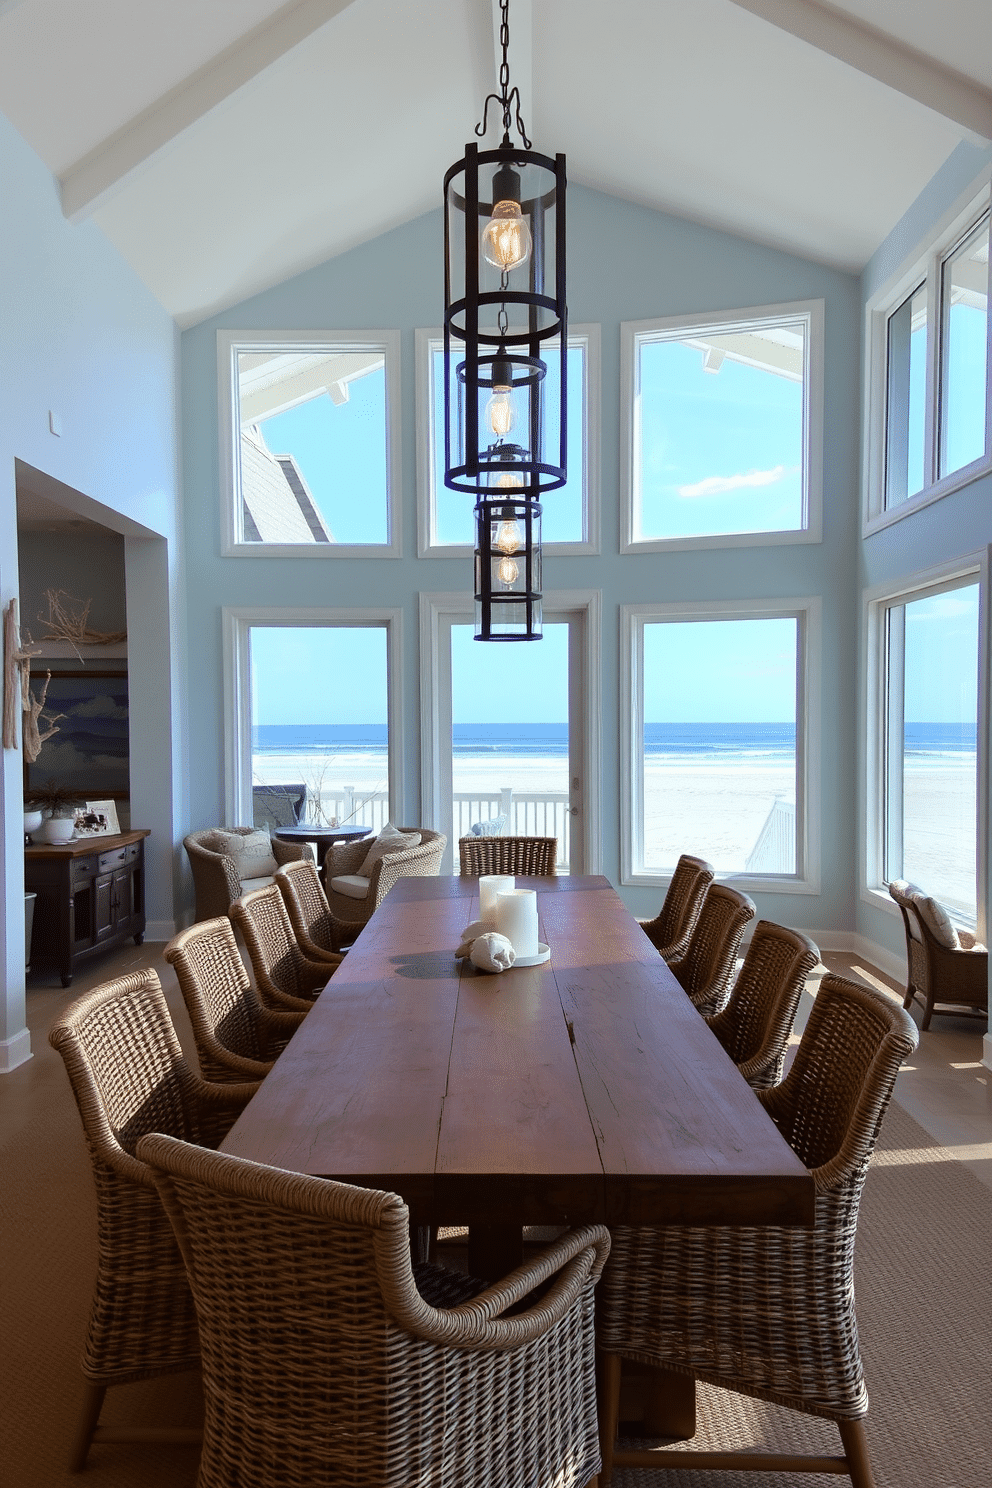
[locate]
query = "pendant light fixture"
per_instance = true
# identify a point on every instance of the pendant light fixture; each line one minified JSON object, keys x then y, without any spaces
{"x":505,"y":319}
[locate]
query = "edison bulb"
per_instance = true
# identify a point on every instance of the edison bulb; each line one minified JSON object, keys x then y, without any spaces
{"x":507,"y":572}
{"x":509,"y":538}
{"x":506,"y":240}
{"x":499,"y":410}
{"x":509,"y":481}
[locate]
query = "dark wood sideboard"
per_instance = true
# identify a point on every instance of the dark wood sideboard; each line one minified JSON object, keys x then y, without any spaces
{"x":91,"y":897}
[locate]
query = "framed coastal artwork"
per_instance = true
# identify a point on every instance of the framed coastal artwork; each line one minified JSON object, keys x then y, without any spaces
{"x":89,"y":752}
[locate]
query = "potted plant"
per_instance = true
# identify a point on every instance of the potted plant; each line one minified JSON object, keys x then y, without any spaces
{"x":59,"y":804}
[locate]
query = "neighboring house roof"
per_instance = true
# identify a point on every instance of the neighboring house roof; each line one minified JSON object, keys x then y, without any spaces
{"x":278,"y":506}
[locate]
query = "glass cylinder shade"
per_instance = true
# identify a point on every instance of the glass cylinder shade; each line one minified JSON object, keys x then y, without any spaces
{"x":507,"y":569}
{"x":504,"y":316}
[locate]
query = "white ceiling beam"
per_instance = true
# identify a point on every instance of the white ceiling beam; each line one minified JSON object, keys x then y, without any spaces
{"x":91,"y":180}
{"x":884,"y":58}
{"x":520,"y":57}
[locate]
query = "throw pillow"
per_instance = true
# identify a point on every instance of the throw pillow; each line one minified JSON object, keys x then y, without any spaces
{"x":389,"y":840}
{"x":494,"y":827}
{"x":937,"y":921}
{"x":251,"y":851}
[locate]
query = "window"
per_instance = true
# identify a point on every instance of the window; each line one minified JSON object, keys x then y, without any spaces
{"x":570,"y":516}
{"x":341,"y":741}
{"x":928,"y":411}
{"x":308,"y":443}
{"x":724,"y":428}
{"x":724,"y":701}
{"x":927,"y":644}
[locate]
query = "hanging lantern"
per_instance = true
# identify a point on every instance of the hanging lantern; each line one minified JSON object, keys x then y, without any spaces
{"x":507,"y":567}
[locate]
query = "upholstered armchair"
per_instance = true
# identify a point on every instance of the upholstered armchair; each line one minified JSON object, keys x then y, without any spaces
{"x":944,"y":964}
{"x":352,"y":899}
{"x":230,"y":861}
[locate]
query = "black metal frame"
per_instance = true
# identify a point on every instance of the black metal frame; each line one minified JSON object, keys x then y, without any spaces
{"x":523,"y":606}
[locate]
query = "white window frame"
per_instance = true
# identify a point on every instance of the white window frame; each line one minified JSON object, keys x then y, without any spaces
{"x":724,"y":322}
{"x":955,"y":574}
{"x":438,"y":611}
{"x":237,"y":622}
{"x":430,"y":340}
{"x":925,"y":267}
{"x":229,"y":344}
{"x":807,"y":612}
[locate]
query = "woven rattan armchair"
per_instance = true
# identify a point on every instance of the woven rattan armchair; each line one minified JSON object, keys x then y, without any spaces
{"x":671,"y":928}
{"x":237,"y":1038}
{"x":769,"y":1311}
{"x":328,"y":1358}
{"x":284,"y":976}
{"x":313,"y":924}
{"x":215,"y":875}
{"x":755,"y":1025}
{"x":706,"y":968}
{"x":129,"y":1077}
{"x":534,"y":855}
{"x":957,"y":977}
{"x":351,"y":915}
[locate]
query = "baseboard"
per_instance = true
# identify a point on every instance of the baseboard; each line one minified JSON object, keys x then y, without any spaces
{"x":160,"y":929}
{"x":853,"y":943}
{"x":15,"y":1051}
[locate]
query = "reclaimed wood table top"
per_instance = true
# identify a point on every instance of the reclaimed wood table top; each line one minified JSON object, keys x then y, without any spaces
{"x":587,"y":1089}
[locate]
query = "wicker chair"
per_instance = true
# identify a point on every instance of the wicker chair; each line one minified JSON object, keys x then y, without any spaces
{"x":351,"y":915}
{"x":755,"y":1025}
{"x":284,"y":976}
{"x":706,"y":968}
{"x":129,"y":1077}
{"x":215,"y":875}
{"x":313,"y":924}
{"x":956,"y":977}
{"x":329,"y":1358}
{"x":278,"y":805}
{"x":237,"y":1038}
{"x":769,"y":1311}
{"x":671,"y":928}
{"x":533,"y":855}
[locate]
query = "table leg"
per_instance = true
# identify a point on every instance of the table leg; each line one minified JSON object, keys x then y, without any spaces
{"x":662,"y":1401}
{"x":494,"y":1250}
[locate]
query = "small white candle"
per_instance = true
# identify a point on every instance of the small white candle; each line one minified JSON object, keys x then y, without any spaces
{"x":491,"y":884}
{"x":516,"y":918}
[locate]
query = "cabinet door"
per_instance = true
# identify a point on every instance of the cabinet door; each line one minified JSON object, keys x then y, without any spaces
{"x":103,"y":906}
{"x":123,"y":897}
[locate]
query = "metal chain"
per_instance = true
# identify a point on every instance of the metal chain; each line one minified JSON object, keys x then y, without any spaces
{"x":507,"y":99}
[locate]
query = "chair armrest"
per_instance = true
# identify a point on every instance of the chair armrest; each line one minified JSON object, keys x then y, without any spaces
{"x":289,"y":852}
{"x":218,"y":1108}
{"x":345,"y":857}
{"x":215,"y":880}
{"x":571,"y":1264}
{"x":412,"y":862}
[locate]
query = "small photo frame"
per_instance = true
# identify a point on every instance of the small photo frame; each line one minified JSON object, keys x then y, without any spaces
{"x":97,"y":819}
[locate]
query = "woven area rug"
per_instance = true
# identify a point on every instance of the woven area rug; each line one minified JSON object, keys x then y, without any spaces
{"x":924,"y":1294}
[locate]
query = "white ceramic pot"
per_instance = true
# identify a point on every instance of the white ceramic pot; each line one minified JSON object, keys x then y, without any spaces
{"x":56,"y":829}
{"x":32,"y":819}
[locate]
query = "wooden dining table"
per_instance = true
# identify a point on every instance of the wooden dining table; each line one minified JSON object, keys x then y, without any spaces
{"x":584,"y":1090}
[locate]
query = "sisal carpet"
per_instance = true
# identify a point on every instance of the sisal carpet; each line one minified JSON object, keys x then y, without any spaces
{"x":924,"y":1304}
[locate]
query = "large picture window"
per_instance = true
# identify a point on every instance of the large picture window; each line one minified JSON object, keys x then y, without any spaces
{"x":570,"y":515}
{"x":927,"y":706}
{"x":308,"y":442}
{"x":723,"y":437}
{"x":718,"y":746}
{"x":928,"y":425}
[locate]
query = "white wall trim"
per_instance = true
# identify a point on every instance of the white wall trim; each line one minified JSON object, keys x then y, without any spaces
{"x":229,"y":343}
{"x":808,"y":612}
{"x":667,"y":328}
{"x":236,"y":623}
{"x":431,"y":339}
{"x":15,"y":1051}
{"x":437,"y":612}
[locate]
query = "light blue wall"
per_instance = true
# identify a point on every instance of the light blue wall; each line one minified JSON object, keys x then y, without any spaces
{"x":625,"y":263}
{"x":81,"y":335}
{"x":957,"y":525}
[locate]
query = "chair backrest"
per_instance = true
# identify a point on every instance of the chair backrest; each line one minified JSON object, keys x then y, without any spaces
{"x":221,"y":1002}
{"x":527,"y":855}
{"x":830,"y":1105}
{"x":277,"y":805}
{"x":306,"y":903}
{"x":127,"y":1069}
{"x":268,"y":935}
{"x":755,"y":1025}
{"x":680,"y":911}
{"x":706,"y":971}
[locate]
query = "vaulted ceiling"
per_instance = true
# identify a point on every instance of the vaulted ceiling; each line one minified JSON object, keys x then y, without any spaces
{"x":224,"y":145}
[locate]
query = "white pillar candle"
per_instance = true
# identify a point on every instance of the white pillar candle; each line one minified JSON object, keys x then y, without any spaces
{"x":491,"y":884}
{"x":516,"y":918}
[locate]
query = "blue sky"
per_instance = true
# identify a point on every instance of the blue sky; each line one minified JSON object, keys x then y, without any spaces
{"x":720,"y":671}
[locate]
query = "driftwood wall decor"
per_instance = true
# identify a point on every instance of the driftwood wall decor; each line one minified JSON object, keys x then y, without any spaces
{"x":39,"y":725}
{"x":65,"y":623}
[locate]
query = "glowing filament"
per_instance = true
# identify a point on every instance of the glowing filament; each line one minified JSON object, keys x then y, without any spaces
{"x":506,"y":240}
{"x":507,"y":572}
{"x":499,"y":411}
{"x":509,"y":538}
